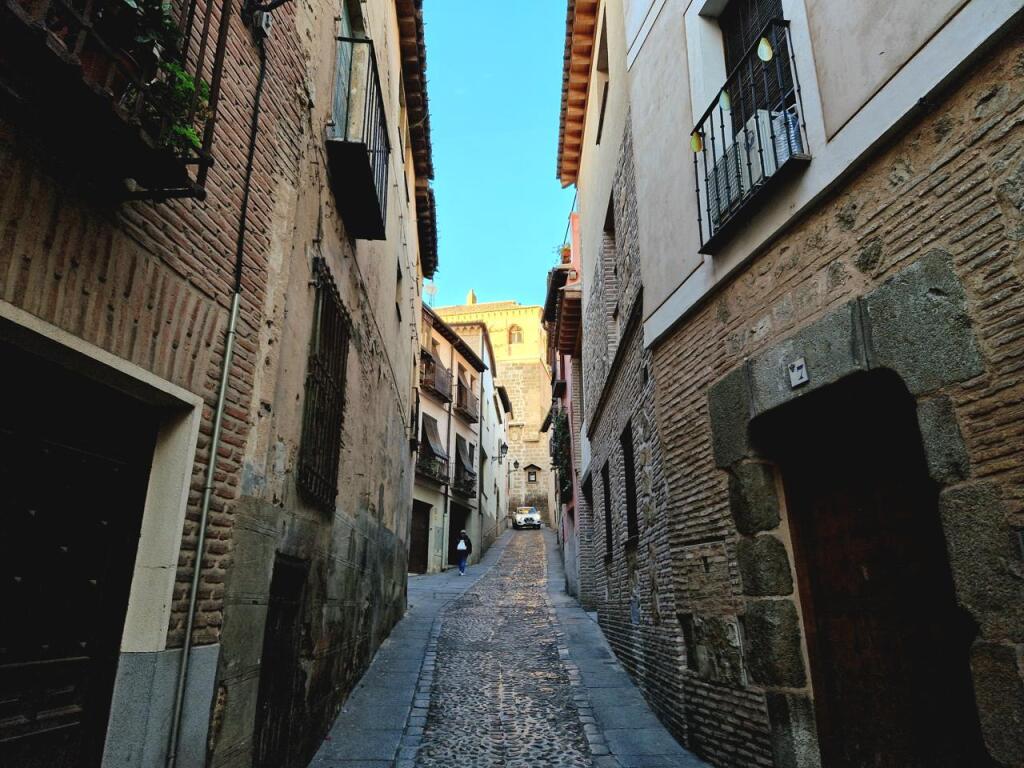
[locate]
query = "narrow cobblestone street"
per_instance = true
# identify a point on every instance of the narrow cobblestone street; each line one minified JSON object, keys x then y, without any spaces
{"x":498,"y":669}
{"x":500,"y":692}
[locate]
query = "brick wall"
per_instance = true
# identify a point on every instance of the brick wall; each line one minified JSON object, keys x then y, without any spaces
{"x":631,"y":589}
{"x":150,"y":282}
{"x":952,"y":180}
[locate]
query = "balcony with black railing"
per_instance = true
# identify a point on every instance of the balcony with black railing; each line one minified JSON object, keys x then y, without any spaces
{"x":435,"y":379}
{"x":465,"y":482}
{"x":358,"y":146}
{"x":125,"y":90}
{"x":751,"y":137}
{"x":467,"y":404}
{"x":430,"y":466}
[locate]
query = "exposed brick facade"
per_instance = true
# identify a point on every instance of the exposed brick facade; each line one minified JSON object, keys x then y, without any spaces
{"x":150,"y":282}
{"x":952,"y":183}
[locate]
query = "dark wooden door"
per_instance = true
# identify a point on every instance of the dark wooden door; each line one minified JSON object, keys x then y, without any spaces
{"x":419,"y":537}
{"x":279,"y":703}
{"x":888,"y":644}
{"x":74,"y":465}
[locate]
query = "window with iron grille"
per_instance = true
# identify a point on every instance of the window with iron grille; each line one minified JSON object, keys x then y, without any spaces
{"x":324,"y":410}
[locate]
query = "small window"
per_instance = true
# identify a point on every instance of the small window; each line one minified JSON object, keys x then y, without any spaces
{"x":515,"y":335}
{"x":531,"y":476}
{"x":626,"y":443}
{"x":606,"y":492}
{"x":324,"y":407}
{"x":601,"y":65}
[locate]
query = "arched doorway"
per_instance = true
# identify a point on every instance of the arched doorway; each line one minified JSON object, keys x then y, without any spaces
{"x":887,"y":643}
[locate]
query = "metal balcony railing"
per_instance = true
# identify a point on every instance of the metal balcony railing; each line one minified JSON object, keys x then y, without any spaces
{"x":358,"y":147}
{"x":428,"y":465}
{"x":467,"y":404}
{"x":465,"y":482}
{"x":751,"y":134}
{"x":435,"y":379}
{"x":131,"y":89}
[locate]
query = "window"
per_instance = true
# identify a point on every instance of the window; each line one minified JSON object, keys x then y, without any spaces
{"x":323,"y":410}
{"x":531,"y":476}
{"x":398,"y":290}
{"x":742,"y":23}
{"x":753,"y":126}
{"x":606,"y":489}
{"x":342,"y":73}
{"x":601,"y":65}
{"x":626,"y":443}
{"x":515,"y":335}
{"x":610,"y":275}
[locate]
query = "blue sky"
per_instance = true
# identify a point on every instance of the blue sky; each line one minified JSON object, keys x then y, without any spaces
{"x":494,"y":74}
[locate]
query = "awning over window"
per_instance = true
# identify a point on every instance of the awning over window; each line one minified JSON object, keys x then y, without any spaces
{"x":462,"y":449}
{"x":433,"y":439}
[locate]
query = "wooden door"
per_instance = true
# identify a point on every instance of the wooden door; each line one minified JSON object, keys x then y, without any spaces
{"x":419,"y":537}
{"x":888,"y":644}
{"x":279,"y":702}
{"x":74,"y":466}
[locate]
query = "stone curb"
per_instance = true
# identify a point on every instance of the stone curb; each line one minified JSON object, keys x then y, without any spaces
{"x":600,"y":754}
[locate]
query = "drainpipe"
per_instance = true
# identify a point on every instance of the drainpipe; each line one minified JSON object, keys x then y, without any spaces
{"x":446,"y":514}
{"x":218,"y":416}
{"x":480,"y":435}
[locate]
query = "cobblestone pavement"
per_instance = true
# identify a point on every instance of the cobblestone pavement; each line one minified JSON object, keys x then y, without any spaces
{"x":501,"y":696}
{"x":498,"y":669}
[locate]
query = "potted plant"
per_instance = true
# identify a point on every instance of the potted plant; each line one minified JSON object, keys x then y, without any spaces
{"x":565,"y":252}
{"x":176,"y":103}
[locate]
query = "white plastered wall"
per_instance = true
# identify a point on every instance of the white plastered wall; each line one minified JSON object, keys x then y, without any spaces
{"x":676,"y":67}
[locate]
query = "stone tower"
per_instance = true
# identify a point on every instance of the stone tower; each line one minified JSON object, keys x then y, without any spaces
{"x":520,"y":349}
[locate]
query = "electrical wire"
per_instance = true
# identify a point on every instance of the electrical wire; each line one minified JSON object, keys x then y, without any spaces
{"x":565,"y":237}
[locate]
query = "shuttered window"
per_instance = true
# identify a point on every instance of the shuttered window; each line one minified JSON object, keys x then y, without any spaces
{"x":324,"y":409}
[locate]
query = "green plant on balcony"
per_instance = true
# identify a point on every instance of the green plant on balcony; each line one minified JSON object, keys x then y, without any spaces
{"x":561,"y":454}
{"x":173,"y":93}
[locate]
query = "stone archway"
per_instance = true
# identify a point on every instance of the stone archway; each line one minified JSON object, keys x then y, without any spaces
{"x":916,"y":327}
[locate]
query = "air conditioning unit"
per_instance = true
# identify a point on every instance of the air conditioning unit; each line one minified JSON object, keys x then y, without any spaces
{"x":749,"y":160}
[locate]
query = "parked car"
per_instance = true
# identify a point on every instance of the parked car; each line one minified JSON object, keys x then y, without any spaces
{"x":526,"y":517}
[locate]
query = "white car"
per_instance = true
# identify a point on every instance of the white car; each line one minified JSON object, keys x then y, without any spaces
{"x":526,"y":517}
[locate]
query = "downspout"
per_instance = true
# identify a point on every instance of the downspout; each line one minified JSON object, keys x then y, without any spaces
{"x":451,"y":453}
{"x":218,"y":417}
{"x":480,"y":431}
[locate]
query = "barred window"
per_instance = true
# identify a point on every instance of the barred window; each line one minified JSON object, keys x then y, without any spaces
{"x":324,"y":409}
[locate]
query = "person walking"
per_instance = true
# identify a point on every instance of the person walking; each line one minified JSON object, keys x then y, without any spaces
{"x":465,"y":549}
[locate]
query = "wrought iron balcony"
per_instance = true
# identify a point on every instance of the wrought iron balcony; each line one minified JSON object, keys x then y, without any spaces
{"x":358,"y":146}
{"x":467,"y":404}
{"x":465,"y":482}
{"x":751,"y":136}
{"x":122,"y":90}
{"x":435,"y":379}
{"x":431,"y":467}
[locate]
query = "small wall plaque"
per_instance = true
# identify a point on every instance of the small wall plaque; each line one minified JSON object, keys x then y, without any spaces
{"x":798,"y":373}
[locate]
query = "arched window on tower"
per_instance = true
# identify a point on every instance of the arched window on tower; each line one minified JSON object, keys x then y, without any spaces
{"x":515,"y":335}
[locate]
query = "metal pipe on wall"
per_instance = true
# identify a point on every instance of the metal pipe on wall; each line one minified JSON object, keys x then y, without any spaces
{"x":218,"y":417}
